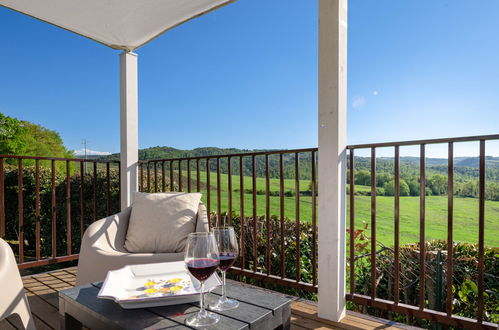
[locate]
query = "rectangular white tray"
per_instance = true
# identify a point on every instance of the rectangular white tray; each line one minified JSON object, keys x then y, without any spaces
{"x":126,"y":285}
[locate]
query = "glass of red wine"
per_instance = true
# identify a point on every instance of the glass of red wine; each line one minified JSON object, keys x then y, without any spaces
{"x":228,"y":249}
{"x":202,"y":259}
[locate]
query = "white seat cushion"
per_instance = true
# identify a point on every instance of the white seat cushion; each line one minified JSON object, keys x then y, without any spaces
{"x":160,"y":222}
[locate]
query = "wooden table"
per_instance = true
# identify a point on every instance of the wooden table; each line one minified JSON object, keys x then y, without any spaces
{"x":258,"y":309}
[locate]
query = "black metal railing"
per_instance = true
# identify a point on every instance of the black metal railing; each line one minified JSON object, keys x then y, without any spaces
{"x":264,"y":235}
{"x":421,"y":310}
{"x":46,"y":204}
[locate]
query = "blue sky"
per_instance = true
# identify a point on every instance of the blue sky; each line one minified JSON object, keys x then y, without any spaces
{"x":246,"y":76}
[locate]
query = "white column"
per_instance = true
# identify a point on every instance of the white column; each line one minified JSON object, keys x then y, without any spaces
{"x":129,"y":142}
{"x":332,"y":157}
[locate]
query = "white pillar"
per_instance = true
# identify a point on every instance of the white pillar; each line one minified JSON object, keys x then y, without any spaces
{"x":332,"y":157}
{"x":129,"y":142}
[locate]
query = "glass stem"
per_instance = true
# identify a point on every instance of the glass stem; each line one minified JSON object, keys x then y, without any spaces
{"x":224,"y":290}
{"x":202,"y":311}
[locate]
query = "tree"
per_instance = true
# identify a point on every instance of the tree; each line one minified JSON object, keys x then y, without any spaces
{"x":363,"y":178}
{"x":492,"y":191}
{"x":413,"y":187}
{"x":24,"y":138}
{"x":42,"y":141}
{"x":12,"y":136}
{"x":438,"y":184}
{"x":383,"y":178}
{"x":389,"y":188}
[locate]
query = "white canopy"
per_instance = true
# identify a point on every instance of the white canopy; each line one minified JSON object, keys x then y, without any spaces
{"x":119,"y":24}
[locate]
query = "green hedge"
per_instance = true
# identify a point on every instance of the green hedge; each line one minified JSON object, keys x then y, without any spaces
{"x":29,"y":206}
{"x":464,"y":285}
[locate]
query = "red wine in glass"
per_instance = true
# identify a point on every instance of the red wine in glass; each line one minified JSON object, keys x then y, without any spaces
{"x":228,"y":251}
{"x":201,"y":259}
{"x":202,"y":268}
{"x":227,"y":260}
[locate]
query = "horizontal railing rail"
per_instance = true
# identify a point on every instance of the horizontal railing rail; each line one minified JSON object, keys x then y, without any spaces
{"x":421,"y":311}
{"x":40,"y":197}
{"x":265,"y":237}
{"x":427,"y":141}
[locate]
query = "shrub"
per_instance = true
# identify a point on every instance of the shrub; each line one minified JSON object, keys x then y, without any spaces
{"x":290,"y":253}
{"x":464,"y":293}
{"x":390,"y":188}
{"x":45,"y":218}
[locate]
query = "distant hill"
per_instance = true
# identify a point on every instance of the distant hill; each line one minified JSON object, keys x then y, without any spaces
{"x":490,"y":161}
{"x":169,"y":152}
{"x":466,"y":167}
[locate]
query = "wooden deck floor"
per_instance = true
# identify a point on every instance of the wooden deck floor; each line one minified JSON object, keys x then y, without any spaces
{"x":42,"y":291}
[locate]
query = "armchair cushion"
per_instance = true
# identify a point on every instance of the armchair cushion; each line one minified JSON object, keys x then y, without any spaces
{"x":160,"y":222}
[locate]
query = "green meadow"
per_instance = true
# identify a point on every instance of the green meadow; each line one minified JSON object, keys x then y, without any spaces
{"x":465,"y":209}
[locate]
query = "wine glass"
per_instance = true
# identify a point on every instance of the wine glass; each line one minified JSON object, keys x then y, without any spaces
{"x":201,"y":259}
{"x":227,"y":246}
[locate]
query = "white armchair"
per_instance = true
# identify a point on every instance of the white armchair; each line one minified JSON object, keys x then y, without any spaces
{"x":102,"y":248}
{"x":12,"y":297}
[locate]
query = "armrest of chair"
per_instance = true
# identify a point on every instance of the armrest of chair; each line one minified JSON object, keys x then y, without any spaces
{"x":103,"y":240}
{"x":202,"y":219}
{"x":108,"y":234}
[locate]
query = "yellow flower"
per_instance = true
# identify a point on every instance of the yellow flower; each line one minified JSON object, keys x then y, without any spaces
{"x":149,"y":284}
{"x":176,"y":288}
{"x":175,"y":280}
{"x":150,"y":291}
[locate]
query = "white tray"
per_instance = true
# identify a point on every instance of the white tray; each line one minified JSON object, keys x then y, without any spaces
{"x":173,"y":284}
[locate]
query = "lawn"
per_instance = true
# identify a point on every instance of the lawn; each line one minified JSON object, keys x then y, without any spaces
{"x":465,"y":210}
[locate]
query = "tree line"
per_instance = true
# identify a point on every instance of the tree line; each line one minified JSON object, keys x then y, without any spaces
{"x":436,"y":184}
{"x":23,"y":138}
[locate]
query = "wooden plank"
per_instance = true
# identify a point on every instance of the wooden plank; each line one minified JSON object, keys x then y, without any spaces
{"x":52,"y":298}
{"x":348,"y":322}
{"x":303,"y":305}
{"x":44,"y":311}
{"x":309,"y":310}
{"x":13,"y":322}
{"x":71,"y":270}
{"x":36,"y":287}
{"x":6,"y":325}
{"x":296,"y":327}
{"x":304,"y":323}
{"x":63,"y":276}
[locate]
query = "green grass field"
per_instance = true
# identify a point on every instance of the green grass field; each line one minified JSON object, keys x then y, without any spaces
{"x":465,"y":210}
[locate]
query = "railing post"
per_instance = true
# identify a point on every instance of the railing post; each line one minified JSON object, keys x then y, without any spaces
{"x":332,"y":157}
{"x":128,"y":126}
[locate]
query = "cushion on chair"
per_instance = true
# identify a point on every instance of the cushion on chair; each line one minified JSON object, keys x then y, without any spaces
{"x":160,"y":222}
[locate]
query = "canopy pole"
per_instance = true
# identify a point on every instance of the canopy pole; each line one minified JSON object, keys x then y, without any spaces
{"x":129,"y":146}
{"x":332,"y":157}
